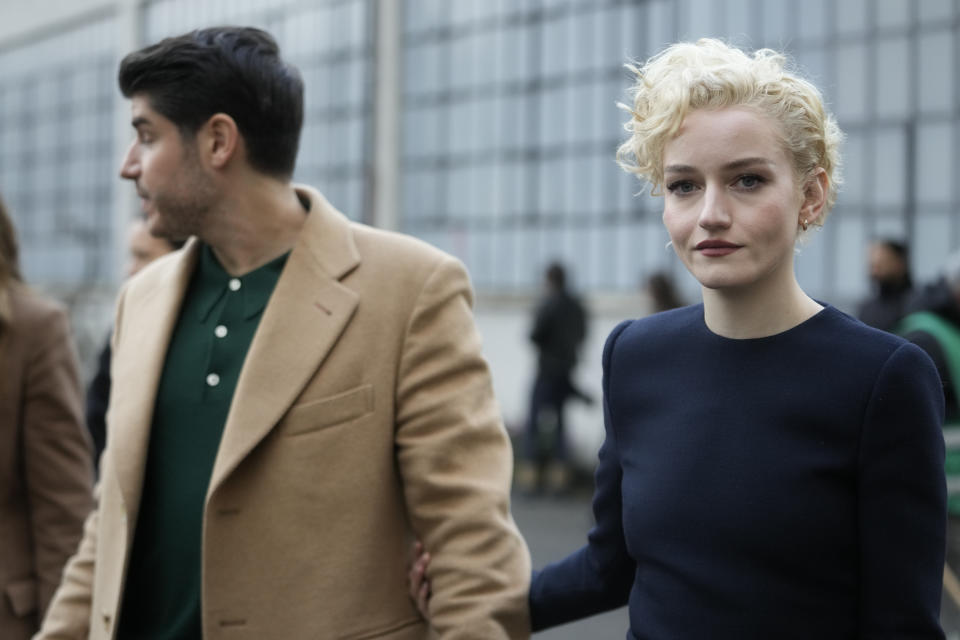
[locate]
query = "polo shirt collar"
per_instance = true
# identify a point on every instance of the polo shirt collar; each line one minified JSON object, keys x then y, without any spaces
{"x":213,"y":283}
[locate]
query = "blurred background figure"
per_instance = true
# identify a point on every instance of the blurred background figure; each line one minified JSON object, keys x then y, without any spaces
{"x":559,"y":327}
{"x":891,"y":283}
{"x":662,"y":292}
{"x":143,"y":249}
{"x":933,"y":322}
{"x":46,"y":474}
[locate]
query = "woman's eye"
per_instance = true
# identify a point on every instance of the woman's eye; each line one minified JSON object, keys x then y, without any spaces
{"x":750,"y":181}
{"x":681,"y":187}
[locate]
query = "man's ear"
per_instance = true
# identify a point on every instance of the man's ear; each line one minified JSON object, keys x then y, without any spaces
{"x":815,"y":196}
{"x":221,"y":139}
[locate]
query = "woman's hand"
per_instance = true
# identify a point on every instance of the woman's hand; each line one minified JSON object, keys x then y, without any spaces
{"x":417,"y":579}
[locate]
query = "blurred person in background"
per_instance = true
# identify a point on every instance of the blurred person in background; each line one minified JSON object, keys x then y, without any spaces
{"x":662,"y":291}
{"x":891,"y":283}
{"x":933,"y":322}
{"x":46,"y":472}
{"x":772,"y":467}
{"x":559,"y":327}
{"x":294,"y":395}
{"x":142,"y":249}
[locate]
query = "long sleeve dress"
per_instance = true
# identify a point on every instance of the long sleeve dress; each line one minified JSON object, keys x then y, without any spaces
{"x":790,"y":486}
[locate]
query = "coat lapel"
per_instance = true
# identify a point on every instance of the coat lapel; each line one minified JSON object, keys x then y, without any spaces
{"x":306,"y":314}
{"x":150,"y":315}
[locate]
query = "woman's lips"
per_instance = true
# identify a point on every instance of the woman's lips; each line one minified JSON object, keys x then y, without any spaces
{"x":716,"y":248}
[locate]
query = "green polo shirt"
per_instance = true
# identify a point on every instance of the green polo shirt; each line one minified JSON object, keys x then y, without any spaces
{"x":219,"y":316}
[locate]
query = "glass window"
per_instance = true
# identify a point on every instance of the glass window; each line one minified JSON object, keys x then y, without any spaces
{"x":889,"y":226}
{"x":936,"y":170}
{"x":891,"y":78}
{"x":660,"y":29}
{"x":739,"y":21}
{"x":936,"y":70}
{"x":697,"y":18}
{"x":933,"y":232}
{"x":855,"y":166}
{"x":812,"y":259}
{"x":893,"y":14}
{"x":775,"y":18}
{"x":889,"y":170}
{"x":935,"y":11}
{"x":850,"y":88}
{"x":847,"y":248}
{"x":812,"y":19}
{"x":555,"y":45}
{"x":851,"y":17}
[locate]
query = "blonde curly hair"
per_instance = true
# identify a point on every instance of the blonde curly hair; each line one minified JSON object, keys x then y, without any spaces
{"x":710,"y":74}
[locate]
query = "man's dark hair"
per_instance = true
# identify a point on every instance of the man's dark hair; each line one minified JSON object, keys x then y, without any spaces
{"x":233,"y":70}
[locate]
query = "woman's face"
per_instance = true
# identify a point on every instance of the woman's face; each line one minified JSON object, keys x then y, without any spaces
{"x":732,"y":205}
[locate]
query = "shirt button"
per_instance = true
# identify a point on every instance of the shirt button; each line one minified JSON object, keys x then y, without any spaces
{"x":213,"y":379}
{"x":234,"y":284}
{"x":220,"y":331}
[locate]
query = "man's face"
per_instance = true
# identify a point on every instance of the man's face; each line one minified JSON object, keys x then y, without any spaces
{"x":144,"y":248}
{"x":176,"y":192}
{"x":886,"y":267}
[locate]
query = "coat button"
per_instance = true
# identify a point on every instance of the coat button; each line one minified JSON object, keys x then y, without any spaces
{"x":213,"y":379}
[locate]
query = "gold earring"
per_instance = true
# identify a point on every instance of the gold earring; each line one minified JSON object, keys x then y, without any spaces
{"x":804,"y":224}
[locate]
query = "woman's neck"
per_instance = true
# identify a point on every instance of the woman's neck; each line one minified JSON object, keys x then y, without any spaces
{"x":757,"y":313}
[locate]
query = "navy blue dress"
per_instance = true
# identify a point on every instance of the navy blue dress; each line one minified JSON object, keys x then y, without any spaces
{"x":782,"y":487}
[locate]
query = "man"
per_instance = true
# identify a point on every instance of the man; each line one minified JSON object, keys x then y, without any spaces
{"x":889,"y":262}
{"x":142,"y":249}
{"x":295,"y":396}
{"x":559,"y":327}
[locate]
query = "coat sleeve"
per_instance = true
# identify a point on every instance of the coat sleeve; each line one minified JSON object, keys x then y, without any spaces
{"x":456,"y":463}
{"x":598,"y":576}
{"x":58,"y":467}
{"x":902,"y":506}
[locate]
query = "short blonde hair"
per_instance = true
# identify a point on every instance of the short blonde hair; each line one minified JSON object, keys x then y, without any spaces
{"x":711,"y":74}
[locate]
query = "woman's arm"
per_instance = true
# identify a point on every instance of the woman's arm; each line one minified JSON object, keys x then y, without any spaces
{"x":902,"y":505}
{"x":598,"y":576}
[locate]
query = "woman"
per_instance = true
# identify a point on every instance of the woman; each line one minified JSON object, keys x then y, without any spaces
{"x":46,"y":472}
{"x":772,"y":468}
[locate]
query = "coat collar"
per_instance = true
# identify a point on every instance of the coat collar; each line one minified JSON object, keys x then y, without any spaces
{"x":306,"y":314}
{"x":153,"y":300}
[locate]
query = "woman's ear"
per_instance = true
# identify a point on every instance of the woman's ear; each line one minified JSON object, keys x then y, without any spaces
{"x":220,"y":140}
{"x":814,"y":197}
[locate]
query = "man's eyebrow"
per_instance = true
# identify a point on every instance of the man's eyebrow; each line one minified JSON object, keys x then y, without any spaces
{"x":138,"y":121}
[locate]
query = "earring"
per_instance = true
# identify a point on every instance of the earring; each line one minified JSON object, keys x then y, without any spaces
{"x":804,"y":224}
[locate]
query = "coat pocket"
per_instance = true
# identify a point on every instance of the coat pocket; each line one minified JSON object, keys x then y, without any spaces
{"x":314,"y":415}
{"x":22,"y":597}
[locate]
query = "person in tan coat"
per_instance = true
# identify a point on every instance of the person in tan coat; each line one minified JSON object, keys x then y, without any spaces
{"x":296,"y":396}
{"x":46,"y":470}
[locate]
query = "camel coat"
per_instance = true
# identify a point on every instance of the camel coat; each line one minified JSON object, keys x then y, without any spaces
{"x":46,"y":469}
{"x":363,"y":416}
